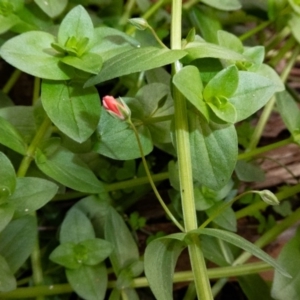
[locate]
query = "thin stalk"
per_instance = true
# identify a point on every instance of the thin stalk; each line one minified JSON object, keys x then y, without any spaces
{"x":271,"y":235}
{"x":255,"y":30}
{"x":186,"y":276}
{"x":278,"y":37}
{"x":261,"y":150}
{"x":127,"y":12}
{"x":288,"y":45}
{"x":269,"y":107}
{"x":25,"y":163}
{"x":161,"y":201}
{"x":11,"y":81}
{"x":185,"y":167}
{"x":37,"y":271}
{"x":150,"y":12}
{"x":250,"y":209}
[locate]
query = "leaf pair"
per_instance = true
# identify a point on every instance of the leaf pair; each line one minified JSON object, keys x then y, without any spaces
{"x":161,"y":256}
{"x":40,"y":57}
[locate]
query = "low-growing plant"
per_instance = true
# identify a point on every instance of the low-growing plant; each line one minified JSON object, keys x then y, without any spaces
{"x":125,"y":96}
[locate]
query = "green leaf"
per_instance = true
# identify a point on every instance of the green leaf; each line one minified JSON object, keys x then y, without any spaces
{"x":275,"y":7}
{"x":31,"y":194}
{"x":284,"y":288}
{"x":248,"y":172}
{"x":160,"y":259}
{"x":68,"y":169}
{"x":64,"y":255}
{"x":155,"y":101}
{"x":52,"y":8}
{"x":289,"y":112}
{"x":294,"y":23}
{"x":206,"y":21}
{"x":6,"y":213}
{"x":135,"y":60}
{"x":73,"y":109}
{"x":11,"y":138}
{"x":214,"y":151}
{"x":252,"y":93}
{"x":197,"y":50}
{"x":89,"y":282}
{"x":223,"y":4}
{"x":223,"y":110}
{"x":109,"y":42}
{"x":261,"y":290}
{"x":7,"y":178}
{"x":114,"y":132}
{"x":226,"y":219}
{"x":188,"y":82}
{"x":271,"y":74}
{"x":76,"y":228}
{"x":22,"y":119}
{"x":213,"y":250}
{"x":7,"y":22}
{"x":116,"y":232}
{"x":97,"y":250}
{"x":223,"y":84}
{"x":242,"y":243}
{"x":17,"y":241}
{"x":88,"y":252}
{"x":295,"y":5}
{"x":230,"y":41}
{"x":88,"y":62}
{"x":35,"y":57}
{"x":8,"y":281}
{"x":77,"y":23}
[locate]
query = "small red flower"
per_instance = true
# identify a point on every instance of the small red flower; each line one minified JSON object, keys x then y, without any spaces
{"x":117,"y":109}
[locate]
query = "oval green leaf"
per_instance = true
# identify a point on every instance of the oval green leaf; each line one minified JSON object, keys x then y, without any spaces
{"x":73,"y":109}
{"x":214,"y":151}
{"x":89,"y":282}
{"x":7,"y":177}
{"x":68,"y":169}
{"x":35,"y":57}
{"x":189,"y":83}
{"x":11,"y":138}
{"x":31,"y":194}
{"x":252,"y":93}
{"x":160,"y":259}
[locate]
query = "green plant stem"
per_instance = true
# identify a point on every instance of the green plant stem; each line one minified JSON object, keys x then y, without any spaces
{"x":278,"y":37}
{"x":288,"y":45}
{"x":150,"y":12}
{"x":255,"y":30}
{"x":11,"y":81}
{"x":37,"y":272}
{"x":223,"y":207}
{"x":161,"y":201}
{"x":250,"y":209}
{"x":260,"y":150}
{"x":187,"y":5}
{"x":127,"y":12}
{"x":186,"y":276}
{"x":269,"y":107}
{"x":25,"y":163}
{"x":185,"y":167}
{"x":271,"y":235}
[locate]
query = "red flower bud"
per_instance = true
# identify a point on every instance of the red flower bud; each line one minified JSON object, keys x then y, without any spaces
{"x":117,"y":109}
